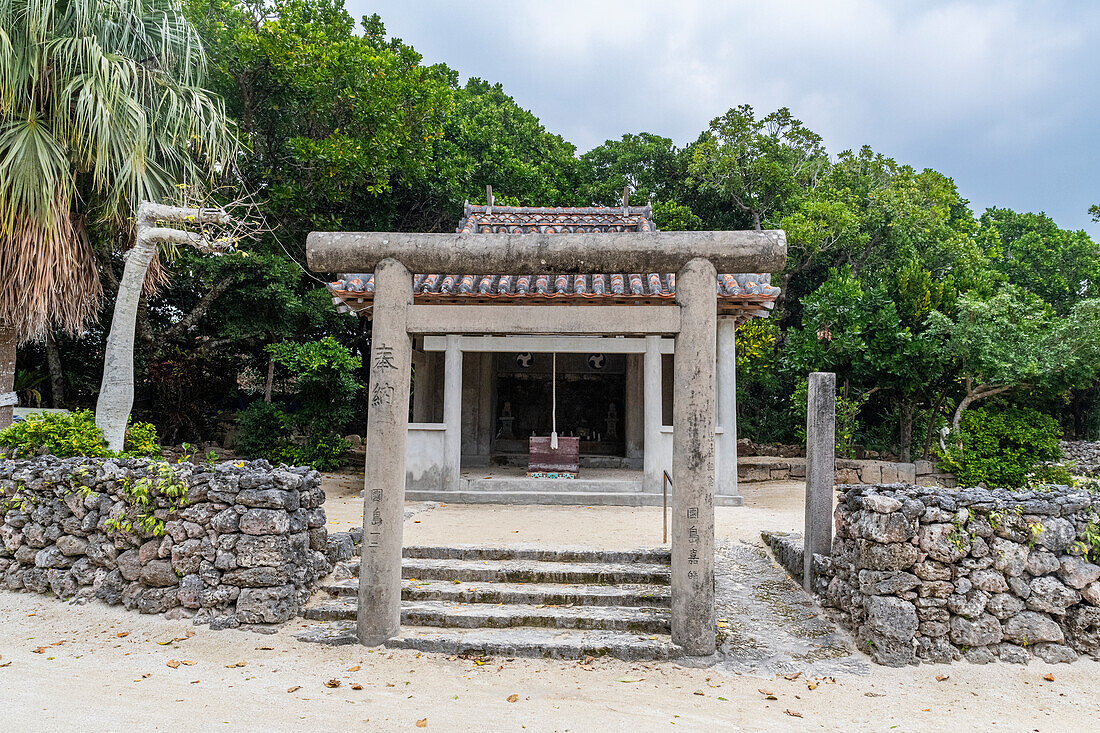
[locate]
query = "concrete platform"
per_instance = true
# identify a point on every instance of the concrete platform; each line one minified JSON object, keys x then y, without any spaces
{"x":592,"y":487}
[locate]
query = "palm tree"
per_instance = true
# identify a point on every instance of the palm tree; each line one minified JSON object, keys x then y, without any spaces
{"x":101,"y":106}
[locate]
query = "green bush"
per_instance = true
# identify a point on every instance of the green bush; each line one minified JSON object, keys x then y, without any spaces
{"x":261,"y":429}
{"x":324,"y":453}
{"x":323,"y":374}
{"x":1000,"y":448}
{"x":265,"y":433}
{"x":65,"y":434}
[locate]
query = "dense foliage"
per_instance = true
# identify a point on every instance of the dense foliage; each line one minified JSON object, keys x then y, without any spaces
{"x":1001,"y":447}
{"x":72,"y":434}
{"x":306,"y":431}
{"x":924,"y":309}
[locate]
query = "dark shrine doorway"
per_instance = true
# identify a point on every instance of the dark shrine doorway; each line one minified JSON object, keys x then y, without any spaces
{"x":591,"y":391}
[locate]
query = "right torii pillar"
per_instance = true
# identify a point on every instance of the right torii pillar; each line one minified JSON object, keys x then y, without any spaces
{"x":693,"y":420}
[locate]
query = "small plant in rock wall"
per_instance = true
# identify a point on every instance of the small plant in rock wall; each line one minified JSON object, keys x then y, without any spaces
{"x":1088,"y":543}
{"x":140,"y":494}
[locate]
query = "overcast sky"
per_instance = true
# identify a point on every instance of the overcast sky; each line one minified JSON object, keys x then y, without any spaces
{"x":1001,"y":96}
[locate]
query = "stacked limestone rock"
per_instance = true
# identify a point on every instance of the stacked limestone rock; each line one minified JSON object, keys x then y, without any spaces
{"x":1084,"y":455}
{"x":935,"y":575}
{"x":245,"y":547}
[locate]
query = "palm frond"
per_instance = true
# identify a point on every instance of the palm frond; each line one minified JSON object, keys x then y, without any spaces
{"x":101,"y":106}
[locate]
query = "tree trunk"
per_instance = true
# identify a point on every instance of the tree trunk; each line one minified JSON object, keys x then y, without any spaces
{"x":978,"y":393}
{"x":927,"y":452}
{"x":116,"y":392}
{"x":57,"y":375}
{"x":9,"y":339}
{"x":905,"y":431}
{"x":270,"y":377}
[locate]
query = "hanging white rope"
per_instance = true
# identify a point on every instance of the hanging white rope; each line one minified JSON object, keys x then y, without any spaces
{"x":554,"y":403}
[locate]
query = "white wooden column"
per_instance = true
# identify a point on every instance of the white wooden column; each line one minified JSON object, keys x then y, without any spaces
{"x":651,"y":399}
{"x":726,"y":441}
{"x":452,"y":413}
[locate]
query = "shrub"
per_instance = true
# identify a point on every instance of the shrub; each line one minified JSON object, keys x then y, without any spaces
{"x":65,"y":434}
{"x":265,"y":433}
{"x":999,"y":448}
{"x":324,"y":383}
{"x":261,"y":429}
{"x":324,"y":453}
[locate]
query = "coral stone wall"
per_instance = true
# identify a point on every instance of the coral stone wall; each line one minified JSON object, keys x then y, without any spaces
{"x":927,"y":574}
{"x":228,"y":544}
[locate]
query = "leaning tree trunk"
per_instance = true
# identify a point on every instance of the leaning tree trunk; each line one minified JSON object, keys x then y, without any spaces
{"x":9,"y":339}
{"x":116,"y":392}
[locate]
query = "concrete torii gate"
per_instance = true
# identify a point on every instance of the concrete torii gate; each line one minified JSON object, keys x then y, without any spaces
{"x":695,"y":257}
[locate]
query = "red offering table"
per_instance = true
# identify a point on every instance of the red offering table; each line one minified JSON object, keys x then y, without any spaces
{"x":543,"y":459}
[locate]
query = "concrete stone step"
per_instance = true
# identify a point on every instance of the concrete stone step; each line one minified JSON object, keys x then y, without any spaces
{"x":633,"y":595}
{"x":534,"y":571}
{"x":575,"y":498}
{"x":552,"y":485}
{"x":491,"y":616}
{"x":538,"y":552}
{"x":519,"y":642}
{"x":522,"y":571}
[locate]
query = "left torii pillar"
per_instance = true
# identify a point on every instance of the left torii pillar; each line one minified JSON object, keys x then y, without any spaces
{"x":379,"y":616}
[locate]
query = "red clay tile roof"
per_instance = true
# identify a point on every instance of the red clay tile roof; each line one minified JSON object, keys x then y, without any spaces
{"x":751,"y":292}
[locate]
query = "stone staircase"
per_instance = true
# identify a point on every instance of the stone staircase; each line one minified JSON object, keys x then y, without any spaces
{"x":515,"y":601}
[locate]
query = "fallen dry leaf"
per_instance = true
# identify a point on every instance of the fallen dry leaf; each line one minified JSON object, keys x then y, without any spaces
{"x":422,"y":723}
{"x":793,"y":714}
{"x":513,"y":698}
{"x":354,"y":669}
{"x":295,"y":688}
{"x":811,"y":685}
{"x":767,"y":695}
{"x":356,"y":686}
{"x":942,"y":677}
{"x":173,"y":663}
{"x":792,"y":677}
{"x":333,"y":683}
{"x":238,"y":664}
{"x":41,"y":650}
{"x":122,"y":634}
{"x":266,"y":648}
{"x":1048,"y":677}
{"x":188,"y":662}
{"x":5,"y":664}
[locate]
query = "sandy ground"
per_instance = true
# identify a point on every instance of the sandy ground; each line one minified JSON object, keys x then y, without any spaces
{"x":101,"y":668}
{"x":774,"y":505}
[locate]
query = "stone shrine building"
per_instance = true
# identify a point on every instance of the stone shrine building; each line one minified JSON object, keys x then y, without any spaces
{"x":477,"y":398}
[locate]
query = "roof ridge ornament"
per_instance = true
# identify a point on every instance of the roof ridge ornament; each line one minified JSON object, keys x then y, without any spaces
{"x":488,"y":201}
